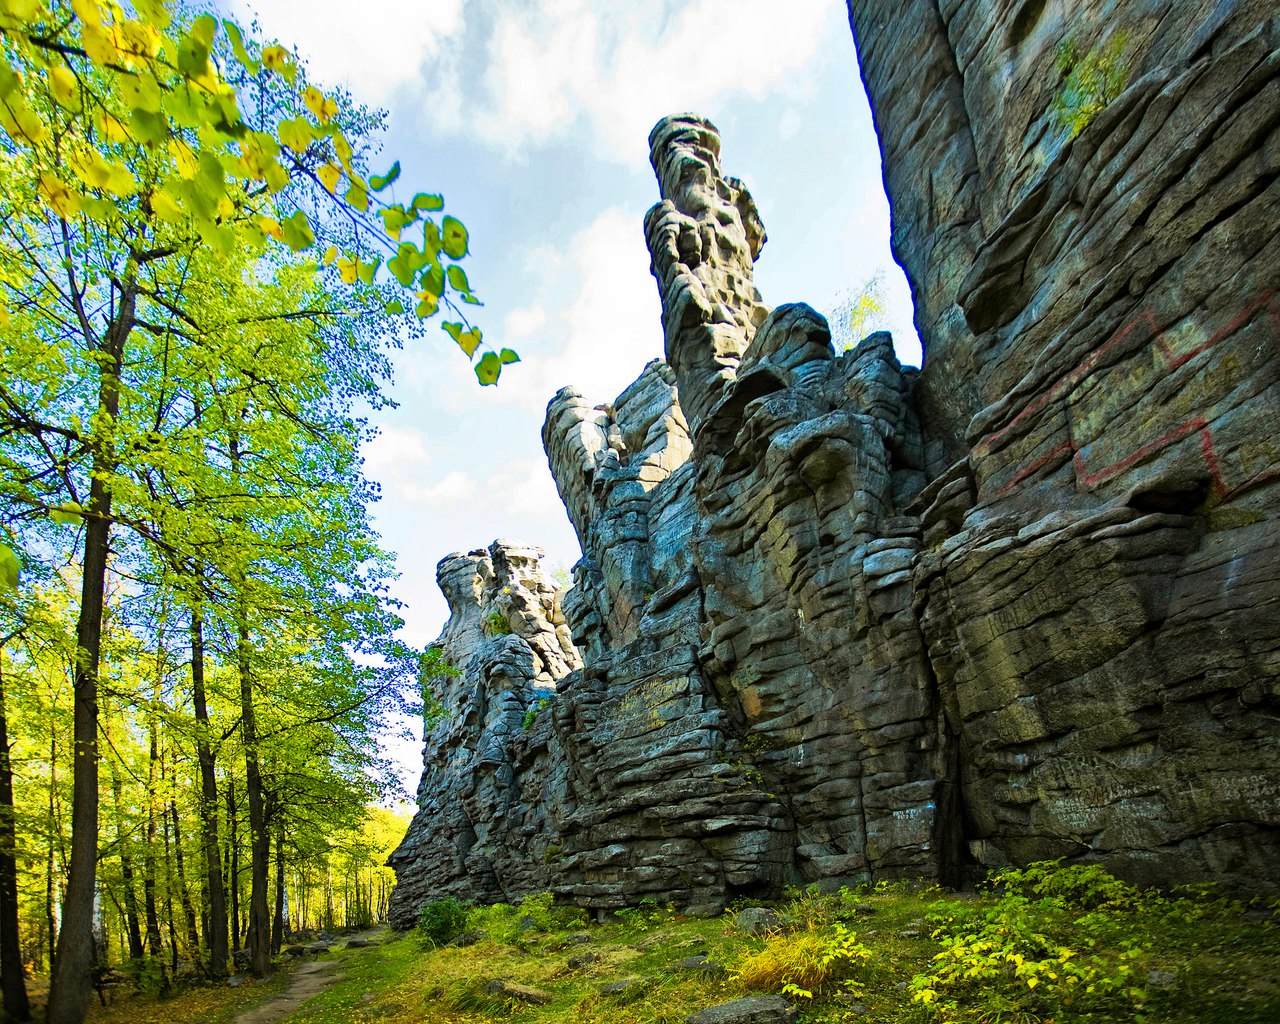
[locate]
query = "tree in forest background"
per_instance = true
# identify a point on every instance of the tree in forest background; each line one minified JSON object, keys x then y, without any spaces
{"x":191,"y":306}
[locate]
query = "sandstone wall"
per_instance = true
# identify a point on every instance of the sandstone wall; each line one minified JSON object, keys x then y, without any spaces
{"x":839,"y":619}
{"x":1098,"y":584}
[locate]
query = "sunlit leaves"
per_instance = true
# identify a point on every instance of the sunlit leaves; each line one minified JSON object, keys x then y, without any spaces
{"x":128,"y":116}
{"x":488,"y":368}
{"x":454,"y":238}
{"x":468,"y":340}
{"x":10,"y":568}
{"x":378,"y":182}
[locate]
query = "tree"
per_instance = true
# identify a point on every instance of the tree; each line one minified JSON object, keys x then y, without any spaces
{"x":135,"y":145}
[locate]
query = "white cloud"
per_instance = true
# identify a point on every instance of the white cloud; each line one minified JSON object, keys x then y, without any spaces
{"x":394,"y":450}
{"x":522,"y":323}
{"x":374,"y":49}
{"x":553,"y":63}
{"x":601,"y":338}
{"x":451,"y":489}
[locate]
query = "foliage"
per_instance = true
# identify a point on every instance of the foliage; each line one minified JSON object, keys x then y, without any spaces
{"x":441,"y":920}
{"x":511,"y":923}
{"x":858,"y":312}
{"x":434,"y":672}
{"x":496,"y":624}
{"x":648,"y":914}
{"x":1226,"y":965}
{"x":533,"y":711}
{"x":1089,"y":81}
{"x":155,"y":116}
{"x":1036,"y":950}
{"x":804,"y":962}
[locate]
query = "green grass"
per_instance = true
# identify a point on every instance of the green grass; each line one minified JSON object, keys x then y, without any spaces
{"x":1152,"y":958}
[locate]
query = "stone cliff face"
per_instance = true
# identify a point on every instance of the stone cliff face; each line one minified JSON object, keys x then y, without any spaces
{"x":1098,"y":582}
{"x":840,"y":619}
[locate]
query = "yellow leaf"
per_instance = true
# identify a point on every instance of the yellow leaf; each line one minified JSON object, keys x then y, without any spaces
{"x":320,"y":105}
{"x":99,"y":43}
{"x":184,"y":157}
{"x":330,"y":175}
{"x":114,"y":129}
{"x":276,"y":176}
{"x":59,"y":196}
{"x":166,"y":207}
{"x":330,"y":254}
{"x":271,"y":227}
{"x":62,"y":83}
{"x":87,"y":11}
{"x":347,"y":270}
{"x":1032,"y":982}
{"x":297,"y":134}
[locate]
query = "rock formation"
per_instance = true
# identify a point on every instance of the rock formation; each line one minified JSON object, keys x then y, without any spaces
{"x":842,"y":620}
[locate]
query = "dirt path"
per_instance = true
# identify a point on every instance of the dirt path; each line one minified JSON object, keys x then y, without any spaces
{"x":309,"y":978}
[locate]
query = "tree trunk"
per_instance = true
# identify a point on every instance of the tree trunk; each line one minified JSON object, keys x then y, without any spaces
{"x":233,"y":863}
{"x":259,"y":838}
{"x":154,"y":947}
{"x":12,"y":980}
{"x":184,"y":893}
{"x":277,"y":919}
{"x":130,"y":906}
{"x":215,"y":889}
{"x":71,"y":985}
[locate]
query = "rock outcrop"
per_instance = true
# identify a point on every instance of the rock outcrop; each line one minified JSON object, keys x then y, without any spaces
{"x":840,"y":619}
{"x":484,"y":828}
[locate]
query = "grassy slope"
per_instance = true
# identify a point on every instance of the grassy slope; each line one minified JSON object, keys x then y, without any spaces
{"x":1214,"y":963}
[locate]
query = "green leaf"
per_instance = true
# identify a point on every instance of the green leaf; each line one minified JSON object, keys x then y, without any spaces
{"x":394,"y":219}
{"x":458,"y":278}
{"x":193,"y":50}
{"x":508,"y":356}
{"x":395,"y":307}
{"x":433,"y":280}
{"x":297,"y":232}
{"x":454,"y":236}
{"x":454,"y":330}
{"x":424,"y":201}
{"x":67,"y":514}
{"x":358,"y":197}
{"x":10,"y":567}
{"x":238,"y":47}
{"x":431,"y":238}
{"x":367,"y":269}
{"x":378,"y":182}
{"x":488,"y":369}
{"x":406,"y":263}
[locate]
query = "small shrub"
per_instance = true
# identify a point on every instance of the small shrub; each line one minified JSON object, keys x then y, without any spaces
{"x":441,"y":920}
{"x":550,"y":916}
{"x":496,"y":624}
{"x":532,"y":712}
{"x":802,"y":963}
{"x":1036,"y":951}
{"x":1090,"y":81}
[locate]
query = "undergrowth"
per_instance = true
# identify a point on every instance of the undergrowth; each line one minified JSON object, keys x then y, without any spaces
{"x":1047,"y":944}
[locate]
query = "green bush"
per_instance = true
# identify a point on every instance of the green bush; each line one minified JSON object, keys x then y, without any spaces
{"x":1090,"y":81}
{"x":441,"y":920}
{"x":1036,"y":952}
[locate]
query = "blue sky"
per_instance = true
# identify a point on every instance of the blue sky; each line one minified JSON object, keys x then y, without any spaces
{"x":532,"y":118}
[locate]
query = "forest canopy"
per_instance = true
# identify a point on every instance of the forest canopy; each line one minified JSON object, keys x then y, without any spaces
{"x":200,"y":281}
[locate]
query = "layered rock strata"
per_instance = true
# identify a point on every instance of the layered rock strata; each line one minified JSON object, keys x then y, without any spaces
{"x":1088,"y":208}
{"x":492,"y":778}
{"x":842,"y":620}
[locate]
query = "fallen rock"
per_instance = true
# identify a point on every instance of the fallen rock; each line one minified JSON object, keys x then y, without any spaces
{"x":520,"y":993}
{"x":751,"y":1010}
{"x":626,"y":987}
{"x":757,"y":921}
